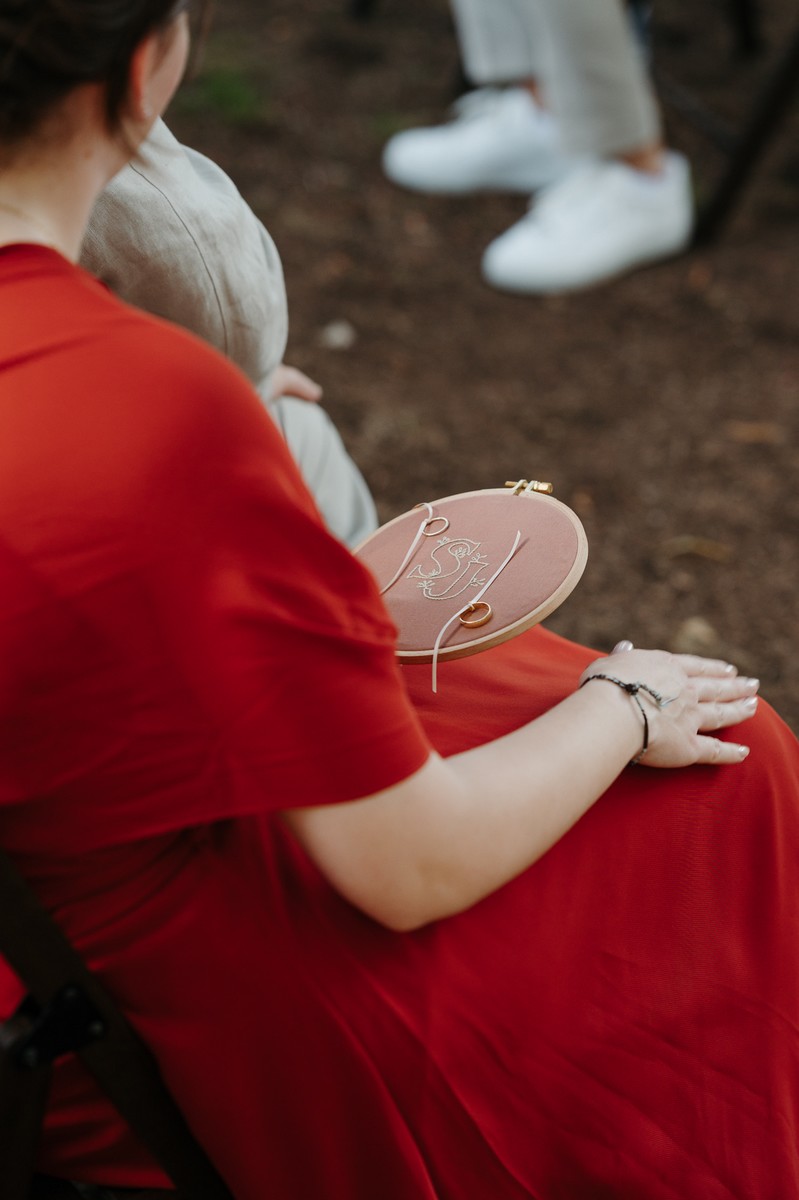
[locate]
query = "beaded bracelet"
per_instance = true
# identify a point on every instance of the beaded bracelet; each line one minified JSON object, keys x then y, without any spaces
{"x":632,"y":690}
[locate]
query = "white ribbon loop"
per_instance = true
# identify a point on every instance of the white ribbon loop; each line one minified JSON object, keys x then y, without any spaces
{"x":421,"y":532}
{"x":472,"y":604}
{"x":474,"y":600}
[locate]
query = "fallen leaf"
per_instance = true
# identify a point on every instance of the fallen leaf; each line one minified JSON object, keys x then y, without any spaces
{"x":699,"y":547}
{"x":582,"y":502}
{"x":755,"y":433}
{"x":699,"y":276}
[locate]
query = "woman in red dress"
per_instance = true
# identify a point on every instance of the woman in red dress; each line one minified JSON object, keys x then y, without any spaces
{"x":383,"y":943}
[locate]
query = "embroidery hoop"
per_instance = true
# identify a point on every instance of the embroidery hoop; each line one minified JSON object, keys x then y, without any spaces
{"x":451,"y":565}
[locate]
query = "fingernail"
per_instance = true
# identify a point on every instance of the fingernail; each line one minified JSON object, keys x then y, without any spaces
{"x":751,"y":704}
{"x":743,"y":752}
{"x":730,"y":669}
{"x":752,"y":685}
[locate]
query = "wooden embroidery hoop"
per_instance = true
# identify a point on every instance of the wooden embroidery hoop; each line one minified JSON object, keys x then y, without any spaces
{"x":466,"y":539}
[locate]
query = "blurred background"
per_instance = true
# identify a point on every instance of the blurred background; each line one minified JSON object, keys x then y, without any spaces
{"x":664,"y":407}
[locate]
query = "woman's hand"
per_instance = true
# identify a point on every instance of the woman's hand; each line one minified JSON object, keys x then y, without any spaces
{"x":699,"y":696}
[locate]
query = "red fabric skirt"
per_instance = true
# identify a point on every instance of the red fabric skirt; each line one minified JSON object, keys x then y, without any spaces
{"x":620,"y":1021}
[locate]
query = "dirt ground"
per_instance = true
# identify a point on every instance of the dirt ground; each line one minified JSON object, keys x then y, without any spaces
{"x":663,"y":406}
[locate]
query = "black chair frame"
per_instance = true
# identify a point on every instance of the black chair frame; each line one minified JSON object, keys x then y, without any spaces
{"x":68,"y":1011}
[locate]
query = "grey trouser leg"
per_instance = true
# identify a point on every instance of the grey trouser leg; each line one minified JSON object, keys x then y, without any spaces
{"x":583,"y":54}
{"x":337,"y":485}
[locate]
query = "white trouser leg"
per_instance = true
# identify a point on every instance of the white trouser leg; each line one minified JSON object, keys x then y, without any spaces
{"x":501,"y":41}
{"x":583,"y":54}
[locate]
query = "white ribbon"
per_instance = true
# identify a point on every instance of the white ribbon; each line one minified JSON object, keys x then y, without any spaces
{"x":474,"y":600}
{"x":419,"y":535}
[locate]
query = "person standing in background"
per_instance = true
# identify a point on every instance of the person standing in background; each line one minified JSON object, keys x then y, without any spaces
{"x":563,"y":109}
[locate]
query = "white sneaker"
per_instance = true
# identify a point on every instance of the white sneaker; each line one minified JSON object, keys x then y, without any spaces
{"x":499,"y":139}
{"x":601,"y":221}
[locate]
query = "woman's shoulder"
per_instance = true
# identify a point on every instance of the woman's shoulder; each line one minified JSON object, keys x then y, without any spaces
{"x":164,"y":350}
{"x":57,"y":306}
{"x":93,"y":373}
{"x":142,"y":350}
{"x":53,"y":310}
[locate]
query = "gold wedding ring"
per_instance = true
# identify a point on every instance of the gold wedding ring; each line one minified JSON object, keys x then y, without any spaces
{"x":475,"y":622}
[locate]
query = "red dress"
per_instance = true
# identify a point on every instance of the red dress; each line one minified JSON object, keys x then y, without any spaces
{"x":186,"y":652}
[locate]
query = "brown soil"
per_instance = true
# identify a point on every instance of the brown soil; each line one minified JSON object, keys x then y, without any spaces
{"x":663,"y":407}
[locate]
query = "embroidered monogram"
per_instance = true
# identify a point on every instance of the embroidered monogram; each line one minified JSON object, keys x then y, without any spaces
{"x":457,"y":565}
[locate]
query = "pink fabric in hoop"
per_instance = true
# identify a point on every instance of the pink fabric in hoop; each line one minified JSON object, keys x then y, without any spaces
{"x":429,"y":579}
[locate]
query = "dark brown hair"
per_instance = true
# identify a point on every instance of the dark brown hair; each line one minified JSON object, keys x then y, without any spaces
{"x":48,"y":47}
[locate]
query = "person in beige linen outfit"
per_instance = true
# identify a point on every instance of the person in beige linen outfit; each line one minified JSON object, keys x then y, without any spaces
{"x":173,"y":235}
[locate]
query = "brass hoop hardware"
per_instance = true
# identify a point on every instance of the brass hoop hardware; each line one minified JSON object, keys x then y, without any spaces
{"x":534,"y":485}
{"x":475,"y":622}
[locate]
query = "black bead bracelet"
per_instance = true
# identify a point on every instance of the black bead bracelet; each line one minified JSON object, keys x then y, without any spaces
{"x":632,"y":690}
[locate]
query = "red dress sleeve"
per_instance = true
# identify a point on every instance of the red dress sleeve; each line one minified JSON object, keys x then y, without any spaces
{"x":186,"y":641}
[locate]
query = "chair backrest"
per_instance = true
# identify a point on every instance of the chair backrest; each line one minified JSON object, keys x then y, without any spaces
{"x":68,"y":1011}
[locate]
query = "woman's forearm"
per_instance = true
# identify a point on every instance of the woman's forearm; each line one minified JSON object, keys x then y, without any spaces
{"x":460,"y":828}
{"x":455,"y":831}
{"x":551,"y":771}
